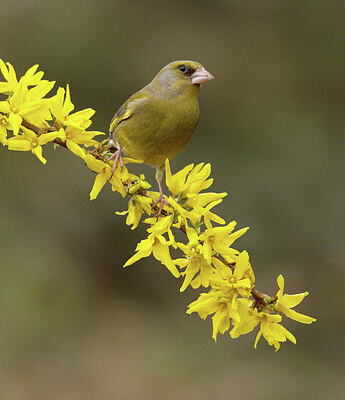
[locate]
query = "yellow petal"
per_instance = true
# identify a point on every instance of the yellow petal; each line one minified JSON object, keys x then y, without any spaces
{"x":19,"y":143}
{"x":38,"y":153}
{"x":292,"y":300}
{"x":175,"y":182}
{"x":40,"y":90}
{"x":190,"y":272}
{"x":280,"y":282}
{"x":137,"y":256}
{"x":161,"y":253}
{"x":221,"y":322}
{"x":15,"y":120}
{"x":288,"y":334}
{"x":3,"y":69}
{"x":242,"y":264}
{"x":76,"y":149}
{"x":258,"y":336}
{"x":134,"y":214}
{"x":121,"y":212}
{"x":245,"y":326}
{"x":162,"y":225}
{"x":98,"y":185}
{"x":68,"y":105}
{"x":207,"y":303}
{"x":4,"y":107}
{"x":47,"y":137}
{"x":18,"y":96}
{"x":94,"y":164}
{"x":3,"y":135}
{"x":303,"y":319}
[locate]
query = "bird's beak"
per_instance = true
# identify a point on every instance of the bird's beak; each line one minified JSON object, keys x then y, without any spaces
{"x":201,"y":76}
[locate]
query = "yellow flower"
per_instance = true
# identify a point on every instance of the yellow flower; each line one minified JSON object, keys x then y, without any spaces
{"x":198,"y":212}
{"x":13,"y":120}
{"x":61,"y":106}
{"x":202,"y":199}
{"x":189,"y":180}
{"x":221,"y":319}
{"x":208,"y":215}
{"x":197,"y":270}
{"x":197,"y":179}
{"x":175,"y":182}
{"x":104,"y":172}
{"x":230,"y":281}
{"x":19,"y":106}
{"x":9,"y":74}
{"x":121,"y":178}
{"x":25,"y":97}
{"x":219,"y":240}
{"x":269,"y":328}
{"x":222,"y":308}
{"x":223,"y":298}
{"x":285,"y":302}
{"x":272,"y":331}
{"x":159,"y":247}
{"x":31,"y":77}
{"x":163,"y":225}
{"x":75,"y":136}
{"x":206,"y":304}
{"x":139,"y":201}
{"x":195,"y":215}
{"x":29,"y":141}
{"x":136,"y":206}
{"x":71,"y":144}
{"x":192,"y":215}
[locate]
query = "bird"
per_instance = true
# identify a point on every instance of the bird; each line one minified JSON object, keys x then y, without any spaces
{"x":157,"y":122}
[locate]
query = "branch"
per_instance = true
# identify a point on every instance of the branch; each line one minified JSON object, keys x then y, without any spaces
{"x":259,"y":298}
{"x":40,"y":131}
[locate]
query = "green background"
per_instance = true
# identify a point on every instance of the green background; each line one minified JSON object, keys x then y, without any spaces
{"x":73,"y":323}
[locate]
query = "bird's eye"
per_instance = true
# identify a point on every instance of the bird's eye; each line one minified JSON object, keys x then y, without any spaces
{"x":182,"y":68}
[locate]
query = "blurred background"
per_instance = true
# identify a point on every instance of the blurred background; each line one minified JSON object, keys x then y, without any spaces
{"x":73,"y":323}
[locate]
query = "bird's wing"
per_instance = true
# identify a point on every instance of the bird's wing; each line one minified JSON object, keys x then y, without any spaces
{"x":128,"y":109}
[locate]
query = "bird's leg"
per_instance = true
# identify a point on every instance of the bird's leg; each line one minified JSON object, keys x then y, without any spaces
{"x":117,"y":156}
{"x":161,"y":199}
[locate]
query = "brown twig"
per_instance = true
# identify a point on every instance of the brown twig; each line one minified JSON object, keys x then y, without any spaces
{"x":32,"y":127}
{"x":260,"y":300}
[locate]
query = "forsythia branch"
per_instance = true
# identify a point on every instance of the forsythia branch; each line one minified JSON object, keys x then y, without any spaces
{"x":40,"y":132}
{"x":29,"y":120}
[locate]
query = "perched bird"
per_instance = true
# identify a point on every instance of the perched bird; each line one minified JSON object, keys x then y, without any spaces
{"x":157,"y":122}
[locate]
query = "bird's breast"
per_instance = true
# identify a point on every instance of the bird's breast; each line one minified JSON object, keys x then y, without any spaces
{"x":159,"y":129}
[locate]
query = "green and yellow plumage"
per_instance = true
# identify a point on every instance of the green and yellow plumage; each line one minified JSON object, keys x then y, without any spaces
{"x":157,"y":122}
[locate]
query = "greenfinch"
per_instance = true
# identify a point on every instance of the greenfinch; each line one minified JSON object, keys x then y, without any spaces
{"x":157,"y":122}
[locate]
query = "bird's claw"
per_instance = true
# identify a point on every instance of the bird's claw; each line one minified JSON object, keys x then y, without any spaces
{"x":162,"y":201}
{"x":117,"y":156}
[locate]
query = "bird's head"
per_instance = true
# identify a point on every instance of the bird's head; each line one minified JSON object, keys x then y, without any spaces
{"x":179,"y":75}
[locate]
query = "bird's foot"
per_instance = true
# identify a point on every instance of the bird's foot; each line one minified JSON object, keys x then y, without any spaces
{"x":162,"y":201}
{"x":117,"y":157}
